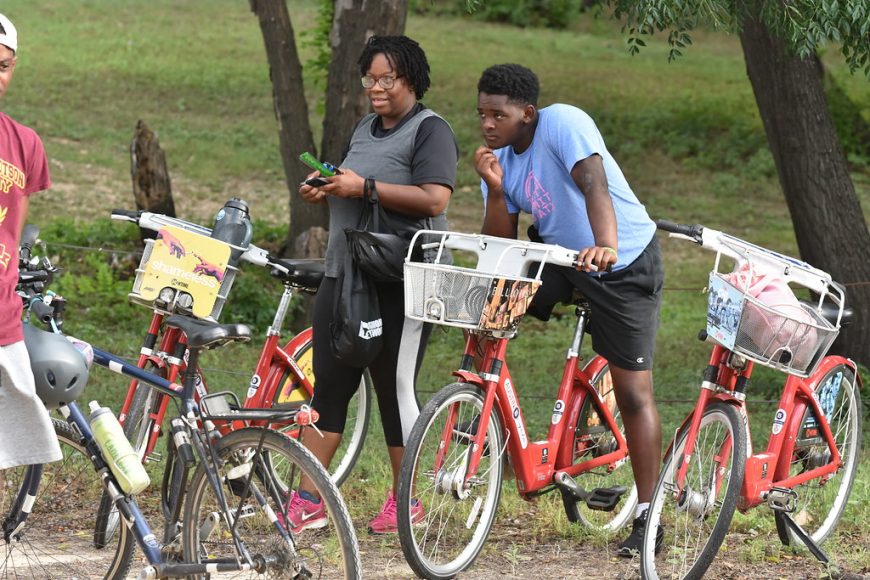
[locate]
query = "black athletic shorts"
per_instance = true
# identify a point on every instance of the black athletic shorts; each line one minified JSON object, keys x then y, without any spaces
{"x":625,"y":306}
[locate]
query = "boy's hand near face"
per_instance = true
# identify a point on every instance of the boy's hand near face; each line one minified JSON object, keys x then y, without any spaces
{"x":487,"y":166}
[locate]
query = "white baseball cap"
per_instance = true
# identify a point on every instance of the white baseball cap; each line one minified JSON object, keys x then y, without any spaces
{"x":8,"y":34}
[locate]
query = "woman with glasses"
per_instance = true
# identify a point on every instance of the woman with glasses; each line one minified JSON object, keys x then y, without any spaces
{"x":407,"y":154}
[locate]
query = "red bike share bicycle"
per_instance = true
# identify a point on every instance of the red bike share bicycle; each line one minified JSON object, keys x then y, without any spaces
{"x":806,"y":472}
{"x":454,"y":459}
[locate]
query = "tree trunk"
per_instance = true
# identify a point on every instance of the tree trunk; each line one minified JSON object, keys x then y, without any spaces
{"x":152,"y":189}
{"x":346,"y":102}
{"x":291,"y":110}
{"x":829,"y":225}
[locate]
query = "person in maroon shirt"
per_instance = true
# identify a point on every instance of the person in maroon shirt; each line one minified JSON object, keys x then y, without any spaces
{"x":26,"y":433}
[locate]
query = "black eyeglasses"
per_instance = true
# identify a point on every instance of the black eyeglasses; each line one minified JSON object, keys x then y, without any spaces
{"x":386,"y":82}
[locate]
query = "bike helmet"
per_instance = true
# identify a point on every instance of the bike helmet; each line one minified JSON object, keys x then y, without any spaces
{"x":59,"y":369}
{"x":381,"y":256}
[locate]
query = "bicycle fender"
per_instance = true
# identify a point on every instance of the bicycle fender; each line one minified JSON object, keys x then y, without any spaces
{"x":826,"y":365}
{"x":298,"y":342}
{"x":470,"y":377}
{"x":594,"y":366}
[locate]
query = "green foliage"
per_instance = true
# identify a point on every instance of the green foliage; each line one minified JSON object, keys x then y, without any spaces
{"x":543,"y":13}
{"x":317,"y":39}
{"x":852,"y":129}
{"x":804,"y":25}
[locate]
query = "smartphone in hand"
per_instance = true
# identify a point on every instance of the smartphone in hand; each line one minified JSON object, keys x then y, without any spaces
{"x":315,"y":182}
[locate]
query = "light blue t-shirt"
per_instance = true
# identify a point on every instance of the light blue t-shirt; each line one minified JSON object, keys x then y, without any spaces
{"x":538,"y":181}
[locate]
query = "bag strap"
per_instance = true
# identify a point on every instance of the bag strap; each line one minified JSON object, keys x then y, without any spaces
{"x":377,"y":211}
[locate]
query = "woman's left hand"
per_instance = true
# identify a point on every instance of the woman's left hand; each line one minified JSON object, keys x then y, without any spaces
{"x":345,"y":184}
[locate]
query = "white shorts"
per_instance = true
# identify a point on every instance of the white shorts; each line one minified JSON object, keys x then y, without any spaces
{"x":26,"y":432}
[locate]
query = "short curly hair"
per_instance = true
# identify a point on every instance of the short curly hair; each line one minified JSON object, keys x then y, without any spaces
{"x":405,"y":56}
{"x":519,"y":83}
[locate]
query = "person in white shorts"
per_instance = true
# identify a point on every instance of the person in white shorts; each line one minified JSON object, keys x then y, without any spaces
{"x":26,"y":433}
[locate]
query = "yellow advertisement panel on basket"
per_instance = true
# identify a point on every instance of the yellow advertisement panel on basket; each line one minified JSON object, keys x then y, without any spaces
{"x":188,"y":262}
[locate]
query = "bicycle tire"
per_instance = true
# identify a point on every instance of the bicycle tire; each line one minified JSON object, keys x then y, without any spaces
{"x":455,"y":523}
{"x":57,"y":539}
{"x":590,"y":439}
{"x":328,"y":552}
{"x":690,"y":544}
{"x":134,"y":425}
{"x":358,"y":416}
{"x":819,"y":507}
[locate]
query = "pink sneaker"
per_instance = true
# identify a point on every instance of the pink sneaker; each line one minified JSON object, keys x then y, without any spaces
{"x":386,"y":522}
{"x":303,"y":514}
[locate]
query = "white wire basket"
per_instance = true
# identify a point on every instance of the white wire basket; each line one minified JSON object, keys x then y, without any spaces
{"x":788,"y":335}
{"x":493,"y":296}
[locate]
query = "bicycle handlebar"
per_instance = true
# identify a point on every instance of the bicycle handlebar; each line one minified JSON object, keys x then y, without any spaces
{"x":694,"y":232}
{"x":502,"y":256}
{"x":155,"y":221}
{"x":43,"y":311}
{"x":742,"y":251}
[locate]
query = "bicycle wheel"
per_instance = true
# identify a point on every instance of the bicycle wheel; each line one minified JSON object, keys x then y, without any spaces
{"x":447,"y":536}
{"x":358,"y":413}
{"x":57,"y":538}
{"x":328,"y":552}
{"x":593,"y":438}
{"x":820,"y":505}
{"x":696,"y":520}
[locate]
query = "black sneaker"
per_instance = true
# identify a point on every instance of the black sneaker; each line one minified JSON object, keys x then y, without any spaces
{"x":632,"y":545}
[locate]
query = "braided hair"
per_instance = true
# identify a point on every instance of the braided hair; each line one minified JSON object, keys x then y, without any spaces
{"x":404,"y":55}
{"x":518,"y":83}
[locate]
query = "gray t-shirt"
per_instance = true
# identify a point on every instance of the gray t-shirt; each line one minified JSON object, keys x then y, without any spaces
{"x":420,"y":149}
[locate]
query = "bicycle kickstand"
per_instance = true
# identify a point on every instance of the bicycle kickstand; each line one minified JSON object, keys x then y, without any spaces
{"x":784,"y":520}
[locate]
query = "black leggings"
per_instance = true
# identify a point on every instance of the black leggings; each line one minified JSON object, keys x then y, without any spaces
{"x":394,"y":371}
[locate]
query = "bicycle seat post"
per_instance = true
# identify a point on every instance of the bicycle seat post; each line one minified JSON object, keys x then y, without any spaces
{"x":281,"y":312}
{"x":188,"y":380}
{"x":582,"y":312}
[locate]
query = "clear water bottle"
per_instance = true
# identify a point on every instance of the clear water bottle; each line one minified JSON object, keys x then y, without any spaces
{"x":232,"y":225}
{"x":117,"y":451}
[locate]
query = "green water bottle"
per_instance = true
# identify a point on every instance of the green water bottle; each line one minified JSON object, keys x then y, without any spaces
{"x":117,"y":451}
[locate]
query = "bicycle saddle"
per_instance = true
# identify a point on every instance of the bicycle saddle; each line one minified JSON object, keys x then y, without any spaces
{"x":302,"y":273}
{"x":829,"y":312}
{"x":204,"y":334}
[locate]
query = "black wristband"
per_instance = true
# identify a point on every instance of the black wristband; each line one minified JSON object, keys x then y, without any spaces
{"x":369,"y":192}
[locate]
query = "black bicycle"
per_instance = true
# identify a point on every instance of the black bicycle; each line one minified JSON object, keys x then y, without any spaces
{"x":225,"y":496}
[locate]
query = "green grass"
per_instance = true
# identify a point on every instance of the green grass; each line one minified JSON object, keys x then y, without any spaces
{"x":687,"y":135}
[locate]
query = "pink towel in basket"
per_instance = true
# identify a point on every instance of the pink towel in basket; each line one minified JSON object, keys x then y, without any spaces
{"x":786,"y":326}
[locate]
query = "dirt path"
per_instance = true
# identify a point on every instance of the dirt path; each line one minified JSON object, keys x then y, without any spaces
{"x":507,"y":556}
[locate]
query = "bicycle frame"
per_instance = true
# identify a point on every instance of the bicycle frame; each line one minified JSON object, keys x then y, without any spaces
{"x":768,"y":469}
{"x":263,"y":385}
{"x":128,"y":508}
{"x":536,"y":463}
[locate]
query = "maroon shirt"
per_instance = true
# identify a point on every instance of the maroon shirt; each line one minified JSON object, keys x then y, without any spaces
{"x":23,"y":171}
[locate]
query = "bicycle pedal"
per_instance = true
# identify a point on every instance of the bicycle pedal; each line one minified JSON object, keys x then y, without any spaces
{"x":782,"y":499}
{"x":605,"y":499}
{"x":154,"y":456}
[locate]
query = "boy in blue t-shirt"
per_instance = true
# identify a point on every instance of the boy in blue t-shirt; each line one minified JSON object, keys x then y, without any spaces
{"x":553,"y":164}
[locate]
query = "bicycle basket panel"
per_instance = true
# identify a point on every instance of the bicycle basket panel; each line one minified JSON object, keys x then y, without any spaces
{"x":786,"y":337}
{"x":466,"y":298}
{"x":186,"y":262}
